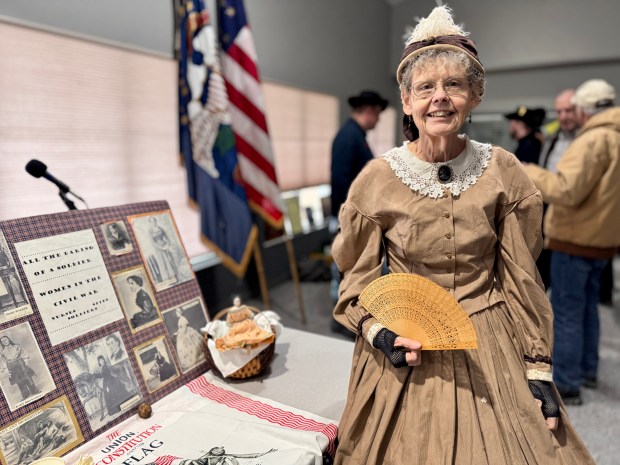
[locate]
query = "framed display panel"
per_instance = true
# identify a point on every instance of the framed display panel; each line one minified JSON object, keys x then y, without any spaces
{"x":38,"y":227}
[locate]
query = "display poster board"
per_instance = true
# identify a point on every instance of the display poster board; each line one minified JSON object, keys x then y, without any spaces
{"x":91,"y":311}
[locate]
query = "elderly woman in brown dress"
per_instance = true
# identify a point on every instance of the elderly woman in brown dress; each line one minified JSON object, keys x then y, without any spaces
{"x":465,"y":215}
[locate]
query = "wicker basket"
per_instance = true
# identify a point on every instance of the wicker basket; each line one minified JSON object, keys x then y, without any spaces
{"x":255,"y":366}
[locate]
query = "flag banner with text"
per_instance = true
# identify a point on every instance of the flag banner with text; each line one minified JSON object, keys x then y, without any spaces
{"x":207,"y":421}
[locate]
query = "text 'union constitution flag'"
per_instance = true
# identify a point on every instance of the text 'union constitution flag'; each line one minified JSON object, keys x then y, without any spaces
{"x":207,"y":141}
{"x":247,"y":110}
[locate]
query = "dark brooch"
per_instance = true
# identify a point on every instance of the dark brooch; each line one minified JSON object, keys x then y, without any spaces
{"x":444,"y":173}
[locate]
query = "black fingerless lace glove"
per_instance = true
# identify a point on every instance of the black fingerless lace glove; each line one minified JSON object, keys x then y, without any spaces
{"x":384,"y":341}
{"x":543,"y":391}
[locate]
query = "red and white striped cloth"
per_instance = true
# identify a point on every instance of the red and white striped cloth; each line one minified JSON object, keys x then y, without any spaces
{"x":247,"y":108}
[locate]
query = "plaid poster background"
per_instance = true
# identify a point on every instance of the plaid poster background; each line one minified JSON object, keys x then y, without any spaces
{"x":36,"y":227}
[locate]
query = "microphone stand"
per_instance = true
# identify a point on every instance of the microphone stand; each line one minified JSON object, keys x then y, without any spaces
{"x":68,"y":202}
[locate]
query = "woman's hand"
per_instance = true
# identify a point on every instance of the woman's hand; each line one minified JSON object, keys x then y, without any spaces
{"x":547,"y":400}
{"x":411,"y":348}
{"x":400,"y":351}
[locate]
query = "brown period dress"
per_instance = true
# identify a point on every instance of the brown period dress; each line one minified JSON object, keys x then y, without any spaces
{"x":479,"y":241}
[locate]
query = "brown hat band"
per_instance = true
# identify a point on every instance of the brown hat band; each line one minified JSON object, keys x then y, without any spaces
{"x":451,"y":41}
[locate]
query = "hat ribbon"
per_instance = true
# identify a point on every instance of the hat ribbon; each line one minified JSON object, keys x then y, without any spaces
{"x":454,"y":39}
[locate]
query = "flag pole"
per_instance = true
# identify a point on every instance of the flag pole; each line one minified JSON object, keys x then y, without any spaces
{"x":262,"y":279}
{"x":292,"y":263}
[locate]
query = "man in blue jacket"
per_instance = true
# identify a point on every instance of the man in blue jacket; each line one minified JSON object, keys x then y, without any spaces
{"x":350,"y":151}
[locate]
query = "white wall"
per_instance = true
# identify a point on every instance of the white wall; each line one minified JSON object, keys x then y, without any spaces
{"x":337,"y":47}
{"x":531,"y":49}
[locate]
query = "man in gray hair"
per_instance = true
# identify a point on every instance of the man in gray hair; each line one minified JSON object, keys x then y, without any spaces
{"x":581,"y":230}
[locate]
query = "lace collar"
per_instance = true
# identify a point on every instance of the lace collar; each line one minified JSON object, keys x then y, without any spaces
{"x":421,"y":176}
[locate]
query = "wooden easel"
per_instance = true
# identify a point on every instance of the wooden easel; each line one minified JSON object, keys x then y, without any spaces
{"x":262,"y":279}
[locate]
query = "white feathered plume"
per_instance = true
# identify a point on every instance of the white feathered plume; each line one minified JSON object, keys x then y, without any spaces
{"x":438,"y":23}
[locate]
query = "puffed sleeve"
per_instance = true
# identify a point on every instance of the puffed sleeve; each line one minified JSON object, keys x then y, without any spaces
{"x":520,"y":243}
{"x":358,"y":253}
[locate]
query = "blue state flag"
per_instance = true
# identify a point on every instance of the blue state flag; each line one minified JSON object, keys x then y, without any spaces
{"x":207,"y":141}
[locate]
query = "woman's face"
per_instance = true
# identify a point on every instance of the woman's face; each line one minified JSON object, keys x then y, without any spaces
{"x":444,"y":111}
{"x":133,"y":286}
{"x":113,"y":344}
{"x":4,"y":341}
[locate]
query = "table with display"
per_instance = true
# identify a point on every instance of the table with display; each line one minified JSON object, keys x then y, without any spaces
{"x":288,"y":414}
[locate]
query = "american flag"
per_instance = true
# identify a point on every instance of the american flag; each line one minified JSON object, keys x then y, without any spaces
{"x":207,"y":142}
{"x":247,"y":108}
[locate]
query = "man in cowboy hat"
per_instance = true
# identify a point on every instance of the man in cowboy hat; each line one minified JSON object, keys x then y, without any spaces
{"x":525,"y":128}
{"x":350,"y":151}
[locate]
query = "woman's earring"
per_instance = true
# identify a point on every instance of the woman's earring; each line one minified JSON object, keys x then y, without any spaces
{"x":470,"y":117}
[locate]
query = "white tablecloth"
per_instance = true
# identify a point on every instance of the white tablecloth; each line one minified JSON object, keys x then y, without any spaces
{"x":288,"y":415}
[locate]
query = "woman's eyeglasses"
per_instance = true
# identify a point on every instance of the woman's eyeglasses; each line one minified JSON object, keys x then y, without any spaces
{"x":451,"y":86}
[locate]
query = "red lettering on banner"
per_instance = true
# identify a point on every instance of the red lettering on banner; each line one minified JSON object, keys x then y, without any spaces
{"x":113,"y":435}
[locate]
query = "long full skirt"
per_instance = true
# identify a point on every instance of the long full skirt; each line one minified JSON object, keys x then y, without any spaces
{"x":464,"y":407}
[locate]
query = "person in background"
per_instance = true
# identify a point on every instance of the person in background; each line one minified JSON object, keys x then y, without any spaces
{"x":350,"y":153}
{"x":553,"y":149}
{"x":524,"y":127}
{"x":581,"y":229}
{"x":557,"y":142}
{"x":465,"y":215}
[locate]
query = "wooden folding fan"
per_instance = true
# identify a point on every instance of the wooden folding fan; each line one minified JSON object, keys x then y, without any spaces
{"x":416,"y":308}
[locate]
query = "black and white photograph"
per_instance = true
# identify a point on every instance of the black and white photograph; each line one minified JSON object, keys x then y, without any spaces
{"x":116,"y":237}
{"x":24,"y":375}
{"x":183,"y":323}
{"x":161,"y":249}
{"x":137,"y":298}
{"x":49,"y":431}
{"x":13,"y":301}
{"x":156,"y":363}
{"x":104,"y":381}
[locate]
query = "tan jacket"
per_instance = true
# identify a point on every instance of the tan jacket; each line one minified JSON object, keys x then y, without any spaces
{"x":584,"y":196}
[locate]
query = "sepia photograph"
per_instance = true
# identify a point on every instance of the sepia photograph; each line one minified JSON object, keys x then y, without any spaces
{"x":156,"y":364}
{"x":161,"y":249}
{"x":24,"y":376}
{"x":183,"y":323}
{"x":49,"y":431}
{"x":136,"y":297}
{"x":116,"y":237}
{"x":13,"y":301}
{"x":103,"y":379}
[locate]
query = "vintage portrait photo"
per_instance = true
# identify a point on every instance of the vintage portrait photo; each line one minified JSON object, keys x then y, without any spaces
{"x":136,"y":297}
{"x":183,"y":323}
{"x":103,"y":379}
{"x":161,"y":248}
{"x":116,"y":237}
{"x":156,"y":363}
{"x":13,"y":301}
{"x":24,"y":376}
{"x":49,"y":431}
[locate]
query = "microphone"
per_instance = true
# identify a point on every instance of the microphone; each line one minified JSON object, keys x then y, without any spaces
{"x":38,"y":169}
